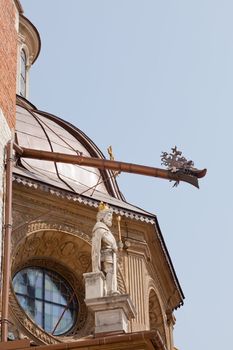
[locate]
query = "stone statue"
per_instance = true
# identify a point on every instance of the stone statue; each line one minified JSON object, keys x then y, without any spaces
{"x":104,"y":249}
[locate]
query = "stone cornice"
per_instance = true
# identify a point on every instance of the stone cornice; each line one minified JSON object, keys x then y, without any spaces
{"x":91,"y":202}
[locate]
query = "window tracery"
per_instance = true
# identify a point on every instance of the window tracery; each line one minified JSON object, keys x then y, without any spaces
{"x":47,"y":298}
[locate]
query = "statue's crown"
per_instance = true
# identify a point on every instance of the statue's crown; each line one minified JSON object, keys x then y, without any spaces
{"x":103,"y":206}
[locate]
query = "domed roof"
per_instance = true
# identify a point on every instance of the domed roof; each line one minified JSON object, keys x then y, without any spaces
{"x":43,"y":131}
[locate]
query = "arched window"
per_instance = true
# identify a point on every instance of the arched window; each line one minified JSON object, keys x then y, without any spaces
{"x":23,"y":63}
{"x":47,"y":299}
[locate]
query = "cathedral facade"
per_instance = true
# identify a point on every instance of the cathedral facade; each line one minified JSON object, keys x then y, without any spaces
{"x":48,"y":211}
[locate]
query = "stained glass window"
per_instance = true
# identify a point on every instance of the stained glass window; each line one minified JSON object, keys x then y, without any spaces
{"x":47,"y":298}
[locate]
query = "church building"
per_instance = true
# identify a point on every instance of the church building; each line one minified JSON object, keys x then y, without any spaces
{"x":60,"y":287}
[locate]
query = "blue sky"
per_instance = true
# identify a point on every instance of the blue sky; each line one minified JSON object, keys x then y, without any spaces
{"x":144,"y":76}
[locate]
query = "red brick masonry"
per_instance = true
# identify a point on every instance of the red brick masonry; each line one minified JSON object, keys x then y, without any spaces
{"x":8,"y":60}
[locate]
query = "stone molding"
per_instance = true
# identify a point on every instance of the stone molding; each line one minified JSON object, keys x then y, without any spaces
{"x":156,"y":309}
{"x":30,"y":36}
{"x":113,"y":302}
{"x":112,"y":313}
{"x":37,"y":226}
{"x":78,"y":198}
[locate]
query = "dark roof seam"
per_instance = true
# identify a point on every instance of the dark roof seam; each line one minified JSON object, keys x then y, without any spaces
{"x":77,"y":151}
{"x":92,"y":148}
{"x":51,"y":147}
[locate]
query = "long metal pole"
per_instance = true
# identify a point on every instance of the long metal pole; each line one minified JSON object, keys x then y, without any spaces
{"x":7,"y":242}
{"x":191,"y":177}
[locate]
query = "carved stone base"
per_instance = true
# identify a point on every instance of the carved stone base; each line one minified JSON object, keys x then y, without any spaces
{"x":112,"y":313}
{"x":94,"y":284}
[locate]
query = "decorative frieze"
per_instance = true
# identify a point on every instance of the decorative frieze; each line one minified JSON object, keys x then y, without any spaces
{"x":80,"y":199}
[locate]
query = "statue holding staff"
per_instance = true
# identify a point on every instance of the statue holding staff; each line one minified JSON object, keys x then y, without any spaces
{"x":104,"y":249}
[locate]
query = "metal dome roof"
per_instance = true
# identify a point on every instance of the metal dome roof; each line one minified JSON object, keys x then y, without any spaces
{"x":43,"y":131}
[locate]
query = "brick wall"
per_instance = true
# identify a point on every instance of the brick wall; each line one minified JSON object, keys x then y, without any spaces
{"x":8,"y":67}
{"x":8,"y":60}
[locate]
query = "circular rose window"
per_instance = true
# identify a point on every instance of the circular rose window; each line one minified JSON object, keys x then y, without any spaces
{"x":47,"y":298}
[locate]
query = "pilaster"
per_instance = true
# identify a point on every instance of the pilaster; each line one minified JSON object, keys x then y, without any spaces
{"x":137,"y":254}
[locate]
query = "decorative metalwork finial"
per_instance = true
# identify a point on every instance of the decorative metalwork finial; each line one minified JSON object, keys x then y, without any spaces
{"x":110,"y":152}
{"x":175,"y":162}
{"x":111,"y":157}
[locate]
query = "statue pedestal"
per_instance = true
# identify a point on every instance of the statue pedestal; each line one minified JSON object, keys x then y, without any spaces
{"x":112,"y":313}
{"x":94,"y":284}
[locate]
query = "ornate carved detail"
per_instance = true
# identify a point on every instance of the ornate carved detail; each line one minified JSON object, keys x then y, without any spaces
{"x":84,"y":259}
{"x":156,"y":317}
{"x":28,"y":326}
{"x":59,"y":244}
{"x":77,"y":198}
{"x":20,"y":218}
{"x":171,"y":320}
{"x":56,"y":211}
{"x":13,"y":331}
{"x":41,"y":225}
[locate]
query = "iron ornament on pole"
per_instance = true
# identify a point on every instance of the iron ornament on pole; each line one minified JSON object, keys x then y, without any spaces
{"x":176,"y":163}
{"x":190,"y":175}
